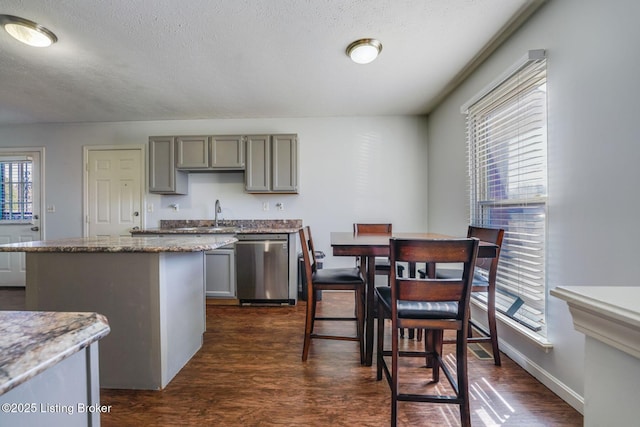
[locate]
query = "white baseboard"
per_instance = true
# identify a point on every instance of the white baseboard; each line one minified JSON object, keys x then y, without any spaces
{"x":552,"y":383}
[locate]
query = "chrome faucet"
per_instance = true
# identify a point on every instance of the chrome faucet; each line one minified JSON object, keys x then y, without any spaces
{"x":218,"y":210}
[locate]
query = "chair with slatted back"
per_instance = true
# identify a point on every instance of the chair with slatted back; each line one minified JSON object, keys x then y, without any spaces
{"x":382,"y":264}
{"x":433,"y":305}
{"x":343,"y":279}
{"x":484,"y":281}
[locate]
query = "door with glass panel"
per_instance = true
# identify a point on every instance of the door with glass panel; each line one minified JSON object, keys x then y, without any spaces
{"x":20,"y":217}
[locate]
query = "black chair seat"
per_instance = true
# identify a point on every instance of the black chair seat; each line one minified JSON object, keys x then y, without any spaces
{"x":418,"y":309}
{"x":337,"y":275}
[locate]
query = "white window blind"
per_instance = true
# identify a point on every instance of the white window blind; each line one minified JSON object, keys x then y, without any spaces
{"x":507,"y":154}
{"x":16,"y":184}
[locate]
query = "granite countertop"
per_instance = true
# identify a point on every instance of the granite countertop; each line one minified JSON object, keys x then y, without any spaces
{"x":238,"y":226}
{"x":123,"y":244}
{"x":33,"y":341}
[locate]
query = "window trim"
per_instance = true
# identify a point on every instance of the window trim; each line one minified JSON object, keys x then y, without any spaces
{"x":530,"y":56}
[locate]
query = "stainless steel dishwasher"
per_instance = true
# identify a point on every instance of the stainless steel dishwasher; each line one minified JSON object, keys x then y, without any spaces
{"x":262,"y":269}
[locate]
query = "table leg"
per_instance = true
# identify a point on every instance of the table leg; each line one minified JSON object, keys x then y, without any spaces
{"x":371,"y":281}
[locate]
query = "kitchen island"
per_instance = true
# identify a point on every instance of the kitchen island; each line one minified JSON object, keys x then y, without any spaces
{"x":150,"y":288}
{"x":49,"y":368}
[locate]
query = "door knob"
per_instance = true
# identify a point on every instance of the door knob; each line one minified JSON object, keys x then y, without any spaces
{"x":36,"y":228}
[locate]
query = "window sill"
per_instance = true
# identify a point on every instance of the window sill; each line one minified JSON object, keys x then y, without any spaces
{"x":531,"y":336}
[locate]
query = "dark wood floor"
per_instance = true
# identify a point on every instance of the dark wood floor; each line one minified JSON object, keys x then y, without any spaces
{"x":249,"y":373}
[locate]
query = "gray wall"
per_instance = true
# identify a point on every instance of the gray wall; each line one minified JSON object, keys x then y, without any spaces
{"x":351,"y":169}
{"x":594,"y":149}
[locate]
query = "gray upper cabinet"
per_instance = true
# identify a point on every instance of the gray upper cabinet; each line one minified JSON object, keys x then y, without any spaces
{"x":258,"y":173}
{"x":193,"y":152}
{"x":227,"y":152}
{"x":163,"y":176}
{"x":272,"y":164}
{"x":210,"y":152}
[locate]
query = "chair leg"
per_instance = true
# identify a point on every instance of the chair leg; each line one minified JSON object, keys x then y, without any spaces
{"x":434,"y":338}
{"x":379,"y":357}
{"x":359,"y":301}
{"x":308,"y":325}
{"x":394,"y":375}
{"x":462,"y":378}
{"x":493,"y":331}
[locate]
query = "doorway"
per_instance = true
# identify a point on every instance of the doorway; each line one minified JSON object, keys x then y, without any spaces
{"x":114,"y":186}
{"x":21,"y":195}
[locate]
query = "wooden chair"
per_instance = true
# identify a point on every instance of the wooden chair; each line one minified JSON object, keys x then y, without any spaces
{"x":383,"y":266}
{"x":430,"y":304}
{"x":484,"y":280}
{"x":349,"y":279}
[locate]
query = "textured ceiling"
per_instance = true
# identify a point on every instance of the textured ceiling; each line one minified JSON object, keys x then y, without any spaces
{"x":124,"y":60}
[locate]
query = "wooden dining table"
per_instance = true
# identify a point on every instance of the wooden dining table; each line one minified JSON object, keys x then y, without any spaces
{"x":370,"y":246}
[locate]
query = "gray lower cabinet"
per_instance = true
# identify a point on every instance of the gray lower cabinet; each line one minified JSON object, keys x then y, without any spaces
{"x":220,"y":273}
{"x":163,"y":176}
{"x":272,"y":164}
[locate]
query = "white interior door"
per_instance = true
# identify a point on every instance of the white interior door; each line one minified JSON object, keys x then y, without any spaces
{"x":20,"y":202}
{"x":114,"y":187}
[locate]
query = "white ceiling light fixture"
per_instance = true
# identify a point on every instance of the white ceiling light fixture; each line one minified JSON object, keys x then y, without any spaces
{"x":364,"y":51}
{"x":27,"y":32}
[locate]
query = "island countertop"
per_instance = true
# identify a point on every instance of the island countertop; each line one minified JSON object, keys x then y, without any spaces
{"x":124,"y":244}
{"x":33,"y":341}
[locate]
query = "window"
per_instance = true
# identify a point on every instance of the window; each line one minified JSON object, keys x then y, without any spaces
{"x":507,"y":154}
{"x":16,"y":189}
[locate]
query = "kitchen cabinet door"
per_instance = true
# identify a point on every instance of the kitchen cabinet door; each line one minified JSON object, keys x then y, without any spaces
{"x":227,"y":152}
{"x":284,"y":163}
{"x":163,"y":176}
{"x":193,"y":152}
{"x":220,"y":273}
{"x":258,"y":172}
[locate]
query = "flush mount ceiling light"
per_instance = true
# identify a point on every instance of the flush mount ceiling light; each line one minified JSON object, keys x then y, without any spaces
{"x":364,"y":51}
{"x":27,"y":32}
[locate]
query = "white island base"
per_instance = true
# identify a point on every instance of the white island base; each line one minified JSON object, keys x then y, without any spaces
{"x":154,"y":302}
{"x":609,"y":316}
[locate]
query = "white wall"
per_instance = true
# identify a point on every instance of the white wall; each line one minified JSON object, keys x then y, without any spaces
{"x":594,"y":150}
{"x":351,"y":169}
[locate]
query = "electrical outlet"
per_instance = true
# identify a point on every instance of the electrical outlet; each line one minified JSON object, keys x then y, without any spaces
{"x":149,"y":207}
{"x":280,"y":206}
{"x":265,"y":206}
{"x":51,"y":208}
